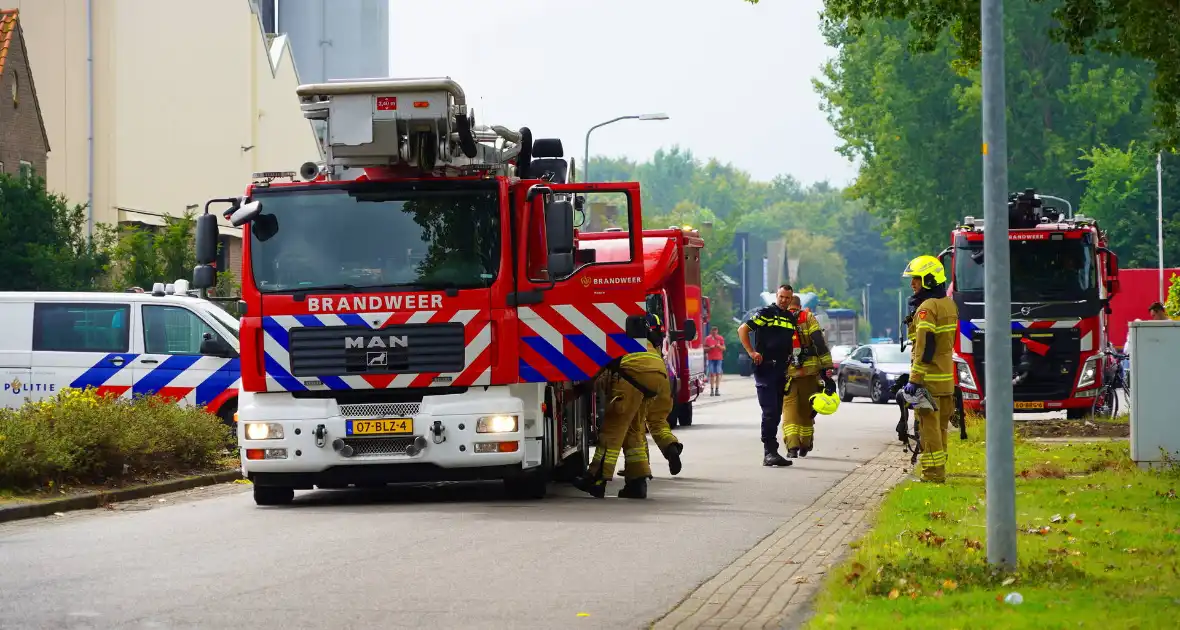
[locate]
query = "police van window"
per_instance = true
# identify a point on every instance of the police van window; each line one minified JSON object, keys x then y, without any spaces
{"x":172,"y":330}
{"x":69,"y":327}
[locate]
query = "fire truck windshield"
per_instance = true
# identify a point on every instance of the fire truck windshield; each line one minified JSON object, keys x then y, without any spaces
{"x":417,"y":237}
{"x":1042,"y":270}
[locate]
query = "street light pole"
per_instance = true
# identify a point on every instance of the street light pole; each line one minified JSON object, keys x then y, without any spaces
{"x":586,"y":155}
{"x":1159,"y":184}
{"x":997,"y":290}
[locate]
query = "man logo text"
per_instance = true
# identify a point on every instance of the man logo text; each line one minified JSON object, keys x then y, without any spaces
{"x":394,"y":341}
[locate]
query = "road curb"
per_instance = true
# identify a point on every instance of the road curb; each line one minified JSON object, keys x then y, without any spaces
{"x":99,"y":499}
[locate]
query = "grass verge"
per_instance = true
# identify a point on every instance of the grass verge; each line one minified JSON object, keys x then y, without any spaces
{"x":79,"y":441}
{"x":1097,"y":547}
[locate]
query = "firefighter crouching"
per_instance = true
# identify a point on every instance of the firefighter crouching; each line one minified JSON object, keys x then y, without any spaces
{"x":932,"y":326}
{"x":639,"y":395}
{"x":803,"y":398}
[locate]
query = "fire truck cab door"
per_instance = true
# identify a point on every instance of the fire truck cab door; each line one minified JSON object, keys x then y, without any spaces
{"x":575,"y":318}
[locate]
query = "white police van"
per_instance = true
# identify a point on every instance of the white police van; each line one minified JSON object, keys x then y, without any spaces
{"x":166,"y":343}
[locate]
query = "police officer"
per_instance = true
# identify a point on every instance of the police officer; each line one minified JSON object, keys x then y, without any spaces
{"x":933,"y":324}
{"x":639,"y":394}
{"x":776,"y":331}
{"x":811,"y":361}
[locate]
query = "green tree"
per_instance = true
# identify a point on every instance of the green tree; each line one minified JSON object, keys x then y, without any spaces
{"x":914,"y":118}
{"x":43,"y":243}
{"x":1121,"y":194}
{"x":1145,"y":29}
{"x":144,"y":257}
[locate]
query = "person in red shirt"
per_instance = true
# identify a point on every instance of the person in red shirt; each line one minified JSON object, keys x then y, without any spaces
{"x":714,"y":355}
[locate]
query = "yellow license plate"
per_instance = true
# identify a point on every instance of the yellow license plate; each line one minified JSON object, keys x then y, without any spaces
{"x":1037,"y":404}
{"x":386,"y":426}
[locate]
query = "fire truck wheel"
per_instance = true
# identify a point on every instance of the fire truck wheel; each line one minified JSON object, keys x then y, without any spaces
{"x":271,"y":495}
{"x":685,"y":414}
{"x":530,"y":485}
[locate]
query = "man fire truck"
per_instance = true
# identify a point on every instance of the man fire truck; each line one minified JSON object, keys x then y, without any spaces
{"x":1063,"y":277}
{"x":672,"y":279}
{"x":414,"y":308}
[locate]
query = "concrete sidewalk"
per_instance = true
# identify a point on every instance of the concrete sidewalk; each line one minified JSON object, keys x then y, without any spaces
{"x":770,"y":585}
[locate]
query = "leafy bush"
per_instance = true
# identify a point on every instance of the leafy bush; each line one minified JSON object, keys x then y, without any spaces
{"x":81,"y":437}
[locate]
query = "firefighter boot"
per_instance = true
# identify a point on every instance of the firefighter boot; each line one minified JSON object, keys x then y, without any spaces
{"x":634,"y":489}
{"x":672,"y":454}
{"x":792,"y":452}
{"x":772,"y":458}
{"x":595,"y":486}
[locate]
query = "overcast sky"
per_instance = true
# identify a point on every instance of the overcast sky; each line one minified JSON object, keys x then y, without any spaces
{"x":734,"y":78}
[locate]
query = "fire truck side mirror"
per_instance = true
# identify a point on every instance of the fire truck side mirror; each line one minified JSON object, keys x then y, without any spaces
{"x":559,"y":233}
{"x":206,"y":239}
{"x":204,"y":277}
{"x":690,"y":330}
{"x":636,"y":326}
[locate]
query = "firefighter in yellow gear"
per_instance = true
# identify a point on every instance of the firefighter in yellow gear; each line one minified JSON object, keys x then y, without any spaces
{"x":639,"y":395}
{"x":811,"y":361}
{"x":932,"y":325}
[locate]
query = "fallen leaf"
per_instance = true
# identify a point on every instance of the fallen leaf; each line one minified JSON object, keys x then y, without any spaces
{"x":937,"y":515}
{"x":1008,"y":581}
{"x":1056,"y":518}
{"x":972,"y":508}
{"x":801,"y":579}
{"x":821,"y":553}
{"x":894,"y":594}
{"x":950,"y":585}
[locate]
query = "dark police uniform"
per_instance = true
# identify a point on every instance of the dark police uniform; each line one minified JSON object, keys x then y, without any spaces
{"x":774,"y":341}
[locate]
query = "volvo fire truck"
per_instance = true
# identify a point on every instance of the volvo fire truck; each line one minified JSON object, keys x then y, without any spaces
{"x":414,"y":309}
{"x":1063,"y":276}
{"x":672,"y":280}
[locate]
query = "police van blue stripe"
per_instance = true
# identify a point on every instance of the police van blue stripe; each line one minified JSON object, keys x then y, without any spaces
{"x":218,"y":382}
{"x":102,"y":371}
{"x":163,"y":374}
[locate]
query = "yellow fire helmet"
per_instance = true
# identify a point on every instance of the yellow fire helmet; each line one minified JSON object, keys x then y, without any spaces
{"x":928,"y":269}
{"x":825,"y":403}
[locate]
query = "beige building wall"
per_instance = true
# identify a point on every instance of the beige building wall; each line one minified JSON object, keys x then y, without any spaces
{"x":190,"y":98}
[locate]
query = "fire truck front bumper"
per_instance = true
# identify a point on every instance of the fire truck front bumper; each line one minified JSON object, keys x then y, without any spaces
{"x":304,"y":443}
{"x":1083,"y":399}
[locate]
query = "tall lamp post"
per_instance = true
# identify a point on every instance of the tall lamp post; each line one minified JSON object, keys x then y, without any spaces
{"x":586,"y":155}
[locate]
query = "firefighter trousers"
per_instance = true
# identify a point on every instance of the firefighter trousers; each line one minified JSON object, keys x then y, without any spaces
{"x":932,"y":430}
{"x":627,"y":417}
{"x":798,"y":421}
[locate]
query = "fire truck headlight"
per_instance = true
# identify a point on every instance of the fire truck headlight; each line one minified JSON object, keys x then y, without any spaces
{"x":964,"y":373}
{"x":496,"y":424}
{"x":264,"y":431}
{"x":1088,"y":375}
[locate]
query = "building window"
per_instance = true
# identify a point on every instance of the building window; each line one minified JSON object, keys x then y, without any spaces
{"x":26,"y":169}
{"x":268,"y":10}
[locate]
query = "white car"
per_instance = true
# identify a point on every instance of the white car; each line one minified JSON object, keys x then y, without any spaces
{"x":126,"y":344}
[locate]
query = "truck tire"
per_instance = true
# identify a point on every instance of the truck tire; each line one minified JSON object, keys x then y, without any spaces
{"x":685,"y":414}
{"x":531,"y":485}
{"x":273,"y":495}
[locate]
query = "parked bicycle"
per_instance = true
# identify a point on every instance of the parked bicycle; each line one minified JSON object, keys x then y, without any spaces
{"x":1106,"y":400}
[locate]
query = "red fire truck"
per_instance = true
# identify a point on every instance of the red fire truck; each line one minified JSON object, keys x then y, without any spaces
{"x":414,"y":307}
{"x":672,"y":279}
{"x":1063,"y":277}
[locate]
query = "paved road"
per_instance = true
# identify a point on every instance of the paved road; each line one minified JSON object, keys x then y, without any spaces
{"x":456,"y":556}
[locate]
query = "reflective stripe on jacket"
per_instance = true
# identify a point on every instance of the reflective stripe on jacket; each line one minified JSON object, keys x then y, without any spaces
{"x":938,"y":317}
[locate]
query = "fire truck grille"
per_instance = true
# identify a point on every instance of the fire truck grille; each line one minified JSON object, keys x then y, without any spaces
{"x":378,"y":446}
{"x":410,"y":348}
{"x":1053,"y":376}
{"x":380,"y":410}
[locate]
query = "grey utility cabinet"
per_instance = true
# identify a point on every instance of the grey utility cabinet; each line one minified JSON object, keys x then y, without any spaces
{"x":1155,"y":375}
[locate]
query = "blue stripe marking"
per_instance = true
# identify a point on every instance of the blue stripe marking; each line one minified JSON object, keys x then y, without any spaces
{"x":102,"y":371}
{"x":277,"y":332}
{"x":282,"y":376}
{"x":218,"y":382}
{"x":334,"y":382}
{"x":529,"y":374}
{"x":967,"y":328}
{"x":352,"y":319}
{"x":163,"y":374}
{"x":628,"y":344}
{"x":559,"y":360}
{"x":590,"y":349}
{"x":311,"y":321}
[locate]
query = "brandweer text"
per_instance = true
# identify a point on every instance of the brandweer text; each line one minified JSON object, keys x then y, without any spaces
{"x":373,"y":303}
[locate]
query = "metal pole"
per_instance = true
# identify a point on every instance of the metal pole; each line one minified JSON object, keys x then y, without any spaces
{"x":997,"y":310}
{"x":868,"y":298}
{"x":586,"y":154}
{"x":1159,"y":185}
